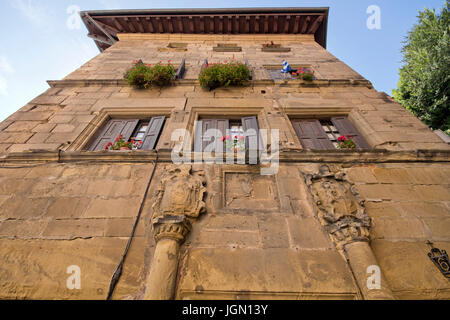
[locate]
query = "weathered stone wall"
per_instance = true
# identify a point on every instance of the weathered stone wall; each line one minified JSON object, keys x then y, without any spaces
{"x":55,"y":119}
{"x":58,"y":215}
{"x":304,"y":51}
{"x":260,"y":236}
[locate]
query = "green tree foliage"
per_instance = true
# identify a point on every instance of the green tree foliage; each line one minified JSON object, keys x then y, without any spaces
{"x":423,"y":88}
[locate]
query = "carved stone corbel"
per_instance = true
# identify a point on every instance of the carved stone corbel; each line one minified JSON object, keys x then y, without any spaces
{"x":178,"y":201}
{"x":341,"y":212}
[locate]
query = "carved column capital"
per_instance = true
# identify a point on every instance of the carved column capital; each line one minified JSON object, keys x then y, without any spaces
{"x":179,"y":199}
{"x":348,"y":231}
{"x":340,"y":208}
{"x":171,"y":227}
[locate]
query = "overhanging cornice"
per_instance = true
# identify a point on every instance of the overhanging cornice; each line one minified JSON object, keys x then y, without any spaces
{"x":103,"y":26}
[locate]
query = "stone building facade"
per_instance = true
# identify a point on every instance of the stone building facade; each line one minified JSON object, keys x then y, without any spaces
{"x":319,"y":228}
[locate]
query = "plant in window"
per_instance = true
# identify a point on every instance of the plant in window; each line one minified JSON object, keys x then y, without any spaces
{"x":346,"y":143}
{"x":121,"y":144}
{"x":142,"y":75}
{"x":271,"y":45}
{"x":224,"y":74}
{"x":236,"y":143}
{"x":303,"y":74}
{"x":138,"y":75}
{"x":161,"y":75}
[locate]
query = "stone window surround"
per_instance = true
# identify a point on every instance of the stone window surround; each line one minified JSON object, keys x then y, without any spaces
{"x":353,"y":115}
{"x":110,"y":113}
{"x":223,"y":112}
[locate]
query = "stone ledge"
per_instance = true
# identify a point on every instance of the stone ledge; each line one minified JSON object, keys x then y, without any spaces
{"x":291,"y":156}
{"x":192,"y":82}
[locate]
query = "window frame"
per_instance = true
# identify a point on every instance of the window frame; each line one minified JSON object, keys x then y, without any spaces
{"x":129,"y":127}
{"x":106,"y":114}
{"x":229,"y":121}
{"x":229,"y":108}
{"x":293,"y":66}
{"x":361,"y":141}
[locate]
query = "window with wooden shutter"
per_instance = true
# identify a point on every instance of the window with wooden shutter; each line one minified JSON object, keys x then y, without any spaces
{"x":323,"y":134}
{"x":203,"y":138}
{"x":153,"y":132}
{"x":111,"y":130}
{"x":131,"y":129}
{"x":251,"y":129}
{"x":346,"y":128}
{"x":312,"y":135}
{"x":230,"y":134}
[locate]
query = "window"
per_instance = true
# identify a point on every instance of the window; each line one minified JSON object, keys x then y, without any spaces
{"x":174,"y":47}
{"x":323,"y":134}
{"x":275,"y":73}
{"x":232,"y":133}
{"x":145,"y":130}
{"x":227,"y":47}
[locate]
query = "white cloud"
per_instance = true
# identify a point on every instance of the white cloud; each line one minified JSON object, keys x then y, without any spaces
{"x":31,"y":10}
{"x":5,"y":67}
{"x":3,"y":87}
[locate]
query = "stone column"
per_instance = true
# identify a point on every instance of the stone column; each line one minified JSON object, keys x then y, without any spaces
{"x":351,"y":237}
{"x":360,"y":257}
{"x":178,"y":201}
{"x":169,"y":233}
{"x":342,"y":213}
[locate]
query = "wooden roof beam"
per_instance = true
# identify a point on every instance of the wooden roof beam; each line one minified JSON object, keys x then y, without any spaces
{"x":139,"y":25}
{"x":315,"y":25}
{"x":100,"y":38}
{"x":305,"y":24}
{"x":118,"y":25}
{"x":129,"y":24}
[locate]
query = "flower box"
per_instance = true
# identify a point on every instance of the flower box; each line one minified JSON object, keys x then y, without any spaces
{"x":227,"y":47}
{"x":121,"y":145}
{"x":174,"y":47}
{"x":280,"y":49}
{"x":142,"y":75}
{"x":224,"y":74}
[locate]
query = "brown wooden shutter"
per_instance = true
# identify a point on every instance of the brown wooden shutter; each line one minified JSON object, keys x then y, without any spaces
{"x":198,"y":137}
{"x":252,"y":142}
{"x":181,"y":70}
{"x":223,"y":125}
{"x":207,"y":125}
{"x":345,"y":127}
{"x":202,"y":139}
{"x":111,"y":131}
{"x":275,"y":74}
{"x":153,"y":132}
{"x":311,"y":134}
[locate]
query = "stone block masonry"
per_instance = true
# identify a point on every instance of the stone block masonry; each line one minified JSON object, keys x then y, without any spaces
{"x":260,"y":236}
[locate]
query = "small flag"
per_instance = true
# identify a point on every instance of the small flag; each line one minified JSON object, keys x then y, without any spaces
{"x":286,"y":67}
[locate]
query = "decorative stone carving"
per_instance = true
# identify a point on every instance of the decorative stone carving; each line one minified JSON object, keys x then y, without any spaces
{"x":179,"y":197}
{"x":340,"y":208}
{"x":171,"y":227}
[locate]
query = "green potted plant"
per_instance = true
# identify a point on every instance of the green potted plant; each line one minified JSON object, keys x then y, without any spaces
{"x":305,"y":74}
{"x":346,"y":143}
{"x":274,"y":47}
{"x":236,"y":143}
{"x":217,"y":75}
{"x":121,"y":144}
{"x":142,"y":75}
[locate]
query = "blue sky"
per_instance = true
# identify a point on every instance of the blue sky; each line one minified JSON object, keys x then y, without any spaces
{"x":36,"y":43}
